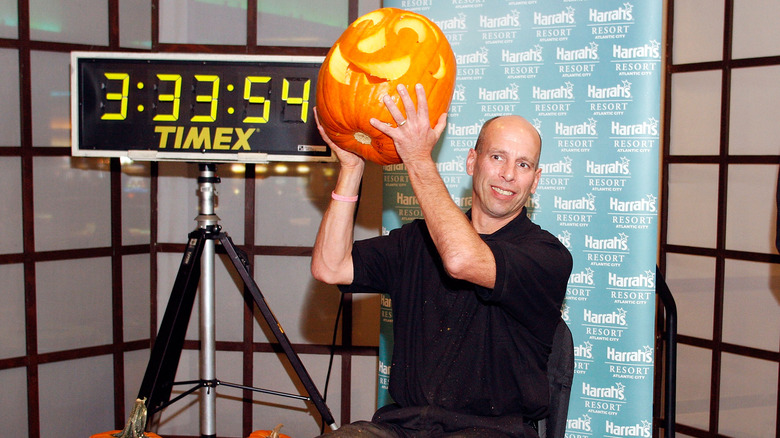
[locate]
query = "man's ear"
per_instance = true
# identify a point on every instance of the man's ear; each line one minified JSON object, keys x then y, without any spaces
{"x":536,"y":179}
{"x":471,"y":159}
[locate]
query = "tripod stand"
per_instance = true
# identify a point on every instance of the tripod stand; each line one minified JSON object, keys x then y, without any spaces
{"x":198,"y":259}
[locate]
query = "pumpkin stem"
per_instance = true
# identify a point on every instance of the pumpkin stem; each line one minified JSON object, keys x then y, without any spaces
{"x":275,"y":432}
{"x":362,"y":137}
{"x":136,"y":423}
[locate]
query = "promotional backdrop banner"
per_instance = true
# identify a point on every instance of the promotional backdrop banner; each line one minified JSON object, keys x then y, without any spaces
{"x":587,"y":74}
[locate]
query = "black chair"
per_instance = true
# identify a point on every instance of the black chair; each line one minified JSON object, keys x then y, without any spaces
{"x":560,"y":372}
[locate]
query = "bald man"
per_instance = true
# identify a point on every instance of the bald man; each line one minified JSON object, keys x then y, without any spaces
{"x":476,"y":297}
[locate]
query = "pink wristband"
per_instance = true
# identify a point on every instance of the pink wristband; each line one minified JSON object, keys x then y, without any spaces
{"x":342,"y":198}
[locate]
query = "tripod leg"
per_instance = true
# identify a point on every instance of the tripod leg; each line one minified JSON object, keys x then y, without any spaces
{"x":281,"y":337}
{"x":157,"y":383}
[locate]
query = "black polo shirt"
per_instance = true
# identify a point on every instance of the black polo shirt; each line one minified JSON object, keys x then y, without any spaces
{"x":460,"y":348}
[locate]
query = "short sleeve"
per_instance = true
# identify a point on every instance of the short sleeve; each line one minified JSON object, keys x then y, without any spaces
{"x":531,"y":278}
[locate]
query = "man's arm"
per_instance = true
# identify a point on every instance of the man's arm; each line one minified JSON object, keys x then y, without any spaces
{"x":331,"y":260}
{"x":464,"y":254}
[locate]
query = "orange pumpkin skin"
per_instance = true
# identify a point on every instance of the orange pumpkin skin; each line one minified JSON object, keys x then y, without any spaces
{"x":112,"y":433}
{"x":377,"y":52}
{"x":265,"y":434}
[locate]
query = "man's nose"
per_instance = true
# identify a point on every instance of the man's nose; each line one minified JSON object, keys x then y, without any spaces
{"x":508,"y":172}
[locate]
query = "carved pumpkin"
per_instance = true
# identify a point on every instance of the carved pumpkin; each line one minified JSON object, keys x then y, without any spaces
{"x":377,"y":52}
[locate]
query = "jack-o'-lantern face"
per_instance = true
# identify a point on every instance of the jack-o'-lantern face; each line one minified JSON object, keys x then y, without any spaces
{"x":379,"y":51}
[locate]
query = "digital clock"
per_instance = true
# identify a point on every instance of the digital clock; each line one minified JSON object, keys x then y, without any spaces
{"x":212,"y":108}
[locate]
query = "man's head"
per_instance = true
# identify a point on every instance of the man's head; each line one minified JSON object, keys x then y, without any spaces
{"x":505,"y":167}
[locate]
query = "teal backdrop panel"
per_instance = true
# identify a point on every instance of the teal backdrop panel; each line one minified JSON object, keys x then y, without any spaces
{"x":587,"y":74}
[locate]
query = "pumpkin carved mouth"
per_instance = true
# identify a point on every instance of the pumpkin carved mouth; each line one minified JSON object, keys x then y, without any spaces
{"x":377,"y":52}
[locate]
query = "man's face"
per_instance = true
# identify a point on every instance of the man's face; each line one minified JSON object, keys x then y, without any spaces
{"x":506,"y":169}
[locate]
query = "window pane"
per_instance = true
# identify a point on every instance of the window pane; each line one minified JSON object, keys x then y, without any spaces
{"x":135,"y":368}
{"x":364,"y":401}
{"x":290,"y":200}
{"x":693,"y":205}
{"x":751,"y":308}
{"x":366,"y":6}
{"x":755,"y":28}
{"x":186,"y":419}
{"x":13,"y":411}
{"x":136,"y":308}
{"x":177,"y":201}
{"x":693,"y":386}
{"x":167,"y":268}
{"x":748,"y":397}
{"x":698,"y":31}
{"x":135,"y":24}
{"x":12,"y":313}
{"x":9,"y":19}
{"x":695,"y":122}
{"x":9,"y":95}
{"x":229,"y":305}
{"x":69,"y":21}
{"x":271,"y":370}
{"x":72,"y":208}
{"x":67,"y":387}
{"x":203,"y":22}
{"x":295,"y":296}
{"x":50,"y":78}
{"x":11,"y":199}
{"x":297,"y":23}
{"x":136,"y":204}
{"x":755,"y":103}
{"x":752,"y":206}
{"x":74,"y":311}
{"x":691,"y":280}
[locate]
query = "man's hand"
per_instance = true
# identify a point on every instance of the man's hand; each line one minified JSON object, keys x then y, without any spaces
{"x":414,"y":138}
{"x":346,"y":158}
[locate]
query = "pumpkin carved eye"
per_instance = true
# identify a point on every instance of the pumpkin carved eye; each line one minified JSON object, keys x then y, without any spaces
{"x":377,"y":52}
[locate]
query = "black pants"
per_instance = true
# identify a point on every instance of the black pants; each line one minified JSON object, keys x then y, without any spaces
{"x":368,"y":429}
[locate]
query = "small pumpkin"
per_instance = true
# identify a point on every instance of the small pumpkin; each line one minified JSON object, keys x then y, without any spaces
{"x":118,"y":433}
{"x":134,"y":428}
{"x":377,"y":52}
{"x":269,"y":433}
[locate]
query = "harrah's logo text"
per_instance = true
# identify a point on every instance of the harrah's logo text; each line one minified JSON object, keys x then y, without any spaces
{"x":479,"y":57}
{"x":651,"y":50}
{"x":616,"y":318}
{"x":642,"y":430}
{"x":511,"y":19}
{"x":455,"y":23}
{"x":615,"y":392}
{"x":621,"y":14}
{"x":581,"y":424}
{"x":565,"y":17}
{"x":565,"y":92}
{"x":642,"y":281}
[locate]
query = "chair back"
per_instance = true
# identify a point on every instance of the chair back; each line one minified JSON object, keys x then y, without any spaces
{"x":560,"y":373}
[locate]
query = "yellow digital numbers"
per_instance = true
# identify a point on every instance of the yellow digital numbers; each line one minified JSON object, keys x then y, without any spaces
{"x":121,"y":96}
{"x":261,"y":100}
{"x":175,"y":98}
{"x":303,"y":100}
{"x":212,"y":99}
{"x":203,"y":103}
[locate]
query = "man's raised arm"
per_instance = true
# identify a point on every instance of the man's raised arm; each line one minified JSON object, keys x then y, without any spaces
{"x":332,"y":255}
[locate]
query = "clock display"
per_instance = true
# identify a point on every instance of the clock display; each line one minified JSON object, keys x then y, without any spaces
{"x":195,"y":107}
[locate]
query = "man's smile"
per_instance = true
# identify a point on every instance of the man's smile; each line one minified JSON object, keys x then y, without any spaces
{"x":501,"y":191}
